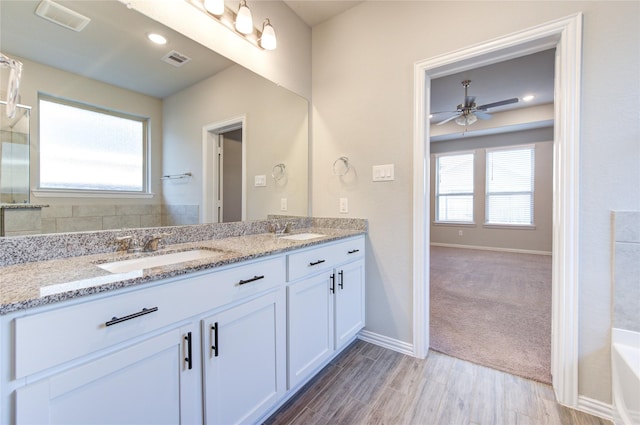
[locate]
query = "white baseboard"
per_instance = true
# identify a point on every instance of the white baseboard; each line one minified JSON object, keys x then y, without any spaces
{"x":491,"y":248}
{"x":386,"y":342}
{"x":595,"y":408}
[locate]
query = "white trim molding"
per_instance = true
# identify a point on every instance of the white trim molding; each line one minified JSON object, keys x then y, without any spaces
{"x":490,"y":248}
{"x":386,"y":342}
{"x":565,"y":36}
{"x":595,"y":408}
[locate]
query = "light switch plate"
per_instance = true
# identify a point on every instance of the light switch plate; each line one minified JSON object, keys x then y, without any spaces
{"x":344,"y":205}
{"x":383,"y":173}
{"x":283,"y":204}
{"x":260,"y":180}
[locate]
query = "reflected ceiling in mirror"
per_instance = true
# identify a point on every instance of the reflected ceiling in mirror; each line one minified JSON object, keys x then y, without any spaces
{"x":112,"y":48}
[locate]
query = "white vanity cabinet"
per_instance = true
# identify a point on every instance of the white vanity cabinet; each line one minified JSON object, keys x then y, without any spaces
{"x":244,"y":360}
{"x":325,"y":301}
{"x":153,"y":381}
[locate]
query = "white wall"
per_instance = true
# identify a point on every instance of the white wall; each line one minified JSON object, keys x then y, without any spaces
{"x":363,"y":104}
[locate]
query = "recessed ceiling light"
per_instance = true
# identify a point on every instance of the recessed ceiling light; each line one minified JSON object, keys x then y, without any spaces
{"x":528,"y":98}
{"x":156,"y":38}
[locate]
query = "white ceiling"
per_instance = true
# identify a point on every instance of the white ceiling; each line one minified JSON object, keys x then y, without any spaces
{"x":314,"y":12}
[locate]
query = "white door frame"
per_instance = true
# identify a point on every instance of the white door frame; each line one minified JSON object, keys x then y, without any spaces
{"x":210,"y":171}
{"x":566,"y":36}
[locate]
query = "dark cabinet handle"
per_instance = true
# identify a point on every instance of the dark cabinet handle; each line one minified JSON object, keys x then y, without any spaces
{"x":253,"y":279}
{"x":115,"y":320}
{"x":332,"y":287}
{"x":353,"y":251}
{"x":315,"y":263}
{"x":341,"y":284}
{"x":189,"y":358}
{"x":214,"y":346}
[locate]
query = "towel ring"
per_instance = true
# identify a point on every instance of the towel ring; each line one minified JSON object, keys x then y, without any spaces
{"x":278,"y":171}
{"x":341,"y":170}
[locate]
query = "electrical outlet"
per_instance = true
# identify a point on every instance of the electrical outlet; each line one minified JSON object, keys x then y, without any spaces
{"x":283,"y":204}
{"x":344,"y":205}
{"x":460,"y":232}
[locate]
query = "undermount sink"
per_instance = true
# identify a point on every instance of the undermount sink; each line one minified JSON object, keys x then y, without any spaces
{"x":125,"y":266}
{"x":302,"y":236}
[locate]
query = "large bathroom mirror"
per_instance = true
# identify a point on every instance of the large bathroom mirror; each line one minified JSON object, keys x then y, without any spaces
{"x":195,"y":101}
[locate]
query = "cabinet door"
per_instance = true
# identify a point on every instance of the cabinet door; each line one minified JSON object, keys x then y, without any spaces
{"x":244,"y":360}
{"x":140,"y":384}
{"x":310,"y":332}
{"x":349,"y":299}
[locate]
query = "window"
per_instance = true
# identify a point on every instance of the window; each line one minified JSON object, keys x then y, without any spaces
{"x":509,"y":186}
{"x":84,"y":148}
{"x":454,"y":188}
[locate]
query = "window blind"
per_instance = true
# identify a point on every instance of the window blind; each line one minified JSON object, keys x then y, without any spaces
{"x":454,"y":188}
{"x":509,"y":186}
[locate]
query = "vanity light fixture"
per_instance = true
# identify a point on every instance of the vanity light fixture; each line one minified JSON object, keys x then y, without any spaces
{"x":215,"y":7}
{"x":240,"y":22}
{"x":244,"y":20}
{"x":268,"y":39}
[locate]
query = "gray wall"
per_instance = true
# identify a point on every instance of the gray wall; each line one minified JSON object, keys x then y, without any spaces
{"x":363,"y":101}
{"x":276,"y":131}
{"x":537,"y":239}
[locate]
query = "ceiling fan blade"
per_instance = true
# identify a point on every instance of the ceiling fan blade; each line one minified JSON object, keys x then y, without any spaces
{"x":449,"y":119}
{"x":496,"y":104}
{"x":482,"y":115}
{"x":469,"y":100}
{"x":444,"y":112}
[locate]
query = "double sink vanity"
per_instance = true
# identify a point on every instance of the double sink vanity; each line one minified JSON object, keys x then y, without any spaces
{"x":220,"y":325}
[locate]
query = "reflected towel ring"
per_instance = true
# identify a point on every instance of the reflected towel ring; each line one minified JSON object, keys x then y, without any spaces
{"x":278,"y":171}
{"x":341,"y":166}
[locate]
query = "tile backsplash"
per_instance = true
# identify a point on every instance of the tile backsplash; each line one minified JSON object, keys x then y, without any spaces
{"x":626,"y":269}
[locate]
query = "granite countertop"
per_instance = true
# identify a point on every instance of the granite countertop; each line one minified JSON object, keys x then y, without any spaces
{"x":28,"y":285}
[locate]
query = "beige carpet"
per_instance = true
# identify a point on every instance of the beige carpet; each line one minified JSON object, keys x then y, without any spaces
{"x":493,"y":309}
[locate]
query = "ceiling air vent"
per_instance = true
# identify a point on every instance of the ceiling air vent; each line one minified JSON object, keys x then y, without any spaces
{"x":175,"y":58}
{"x":62,"y":15}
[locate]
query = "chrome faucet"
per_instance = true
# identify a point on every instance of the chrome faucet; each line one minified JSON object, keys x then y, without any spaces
{"x":280,"y":230}
{"x":152,"y":244}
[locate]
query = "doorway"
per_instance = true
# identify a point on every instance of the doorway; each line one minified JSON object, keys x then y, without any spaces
{"x":224,"y":159}
{"x":491,"y":215}
{"x":565,"y":36}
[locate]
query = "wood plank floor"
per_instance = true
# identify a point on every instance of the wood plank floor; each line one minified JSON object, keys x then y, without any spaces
{"x":367,"y":384}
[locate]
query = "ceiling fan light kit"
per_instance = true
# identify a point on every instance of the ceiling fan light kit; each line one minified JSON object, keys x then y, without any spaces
{"x":468,"y":112}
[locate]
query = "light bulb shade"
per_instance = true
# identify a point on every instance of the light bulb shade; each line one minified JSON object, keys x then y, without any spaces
{"x":466,"y":119}
{"x":244,"y":21}
{"x":215,"y":7}
{"x":268,"y":39}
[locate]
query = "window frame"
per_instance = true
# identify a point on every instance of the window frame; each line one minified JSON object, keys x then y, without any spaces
{"x":40,"y":191}
{"x":531,"y":224}
{"x":437,"y":195}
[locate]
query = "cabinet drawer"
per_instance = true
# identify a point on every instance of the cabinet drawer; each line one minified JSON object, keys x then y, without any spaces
{"x":325,"y":257}
{"x":53,"y":337}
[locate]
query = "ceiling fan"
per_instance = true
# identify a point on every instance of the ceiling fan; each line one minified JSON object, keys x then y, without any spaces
{"x":468,"y":112}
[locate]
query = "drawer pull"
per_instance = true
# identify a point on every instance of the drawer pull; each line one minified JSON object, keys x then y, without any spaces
{"x":214,"y":346}
{"x":189,"y":358}
{"x":315,"y":263}
{"x":353,"y":251}
{"x":144,"y":311}
{"x":253,"y":279}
